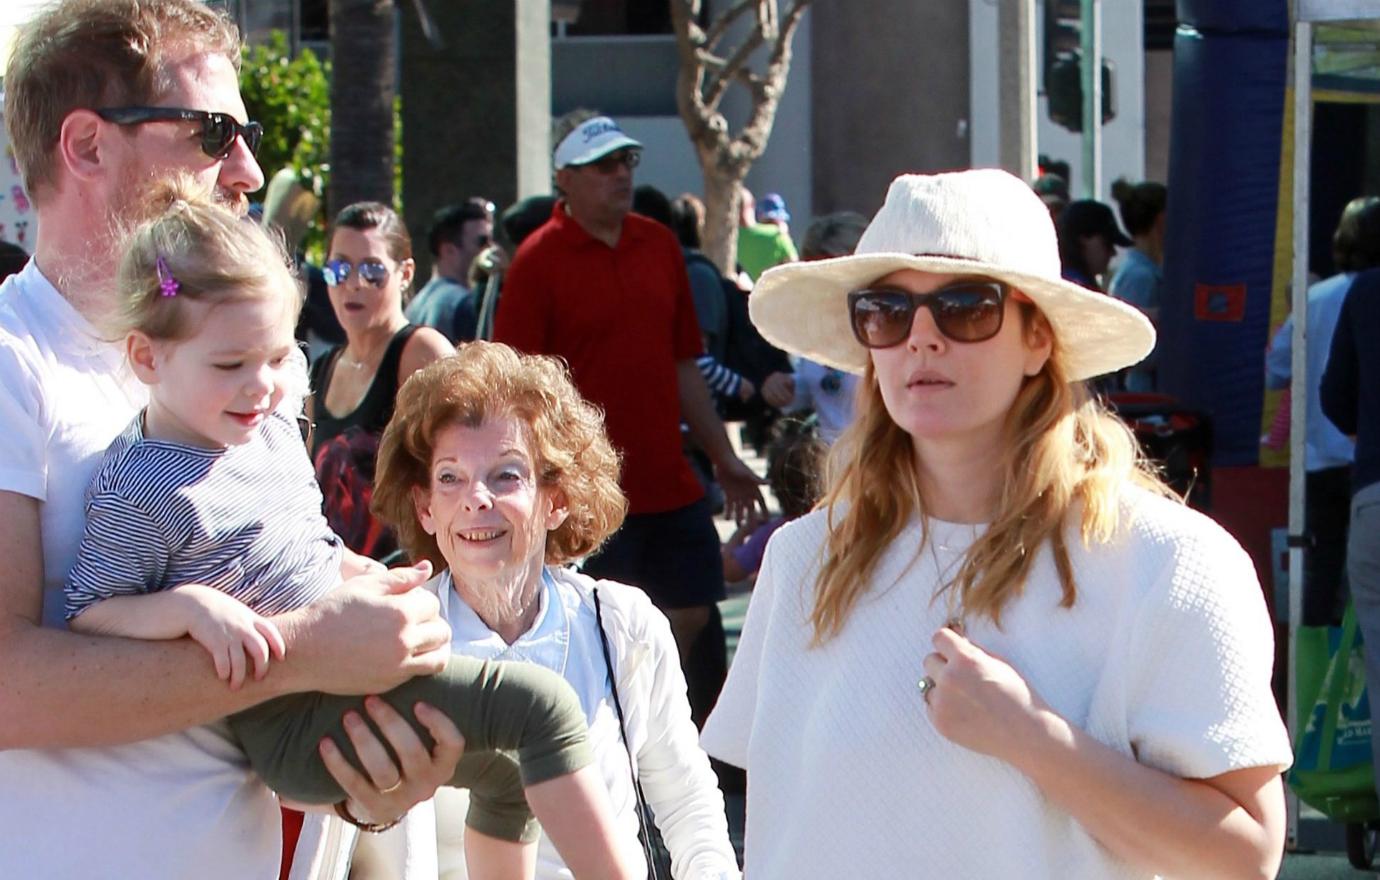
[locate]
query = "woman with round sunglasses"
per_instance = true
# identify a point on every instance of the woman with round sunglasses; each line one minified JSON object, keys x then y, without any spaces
{"x":368,"y":267}
{"x":999,"y":647}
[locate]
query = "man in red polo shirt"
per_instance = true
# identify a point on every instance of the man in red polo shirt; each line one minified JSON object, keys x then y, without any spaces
{"x":607,"y":290}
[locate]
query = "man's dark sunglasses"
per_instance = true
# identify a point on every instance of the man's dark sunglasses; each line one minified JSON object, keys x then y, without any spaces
{"x":218,"y":130}
{"x":966,"y":311}
{"x":615,"y":160}
{"x":371,"y":272}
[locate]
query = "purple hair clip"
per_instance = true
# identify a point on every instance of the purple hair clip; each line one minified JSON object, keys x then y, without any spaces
{"x":166,"y":282}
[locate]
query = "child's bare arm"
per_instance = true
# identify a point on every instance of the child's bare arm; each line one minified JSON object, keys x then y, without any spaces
{"x":235,"y":636}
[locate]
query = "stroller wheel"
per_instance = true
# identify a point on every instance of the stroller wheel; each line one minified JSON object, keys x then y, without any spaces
{"x":1360,"y":844}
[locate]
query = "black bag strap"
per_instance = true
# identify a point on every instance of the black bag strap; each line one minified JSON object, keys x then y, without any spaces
{"x":643,"y":814}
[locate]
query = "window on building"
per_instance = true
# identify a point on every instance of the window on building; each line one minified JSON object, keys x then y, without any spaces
{"x":599,"y":18}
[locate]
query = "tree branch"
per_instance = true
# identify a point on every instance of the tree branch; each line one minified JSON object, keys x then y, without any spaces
{"x":720,"y":25}
{"x":718,"y":83}
{"x":700,"y":121}
{"x":766,"y":94}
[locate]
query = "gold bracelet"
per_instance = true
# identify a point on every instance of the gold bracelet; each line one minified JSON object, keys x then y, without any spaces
{"x":343,"y":812}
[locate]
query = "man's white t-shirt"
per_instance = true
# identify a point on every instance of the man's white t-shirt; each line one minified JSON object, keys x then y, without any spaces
{"x":182,"y":805}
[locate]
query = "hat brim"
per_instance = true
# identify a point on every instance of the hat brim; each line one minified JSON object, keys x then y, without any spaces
{"x":595,"y":153}
{"x":803,"y":308}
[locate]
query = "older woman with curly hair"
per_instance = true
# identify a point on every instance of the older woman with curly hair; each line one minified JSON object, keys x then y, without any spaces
{"x":496,"y":470}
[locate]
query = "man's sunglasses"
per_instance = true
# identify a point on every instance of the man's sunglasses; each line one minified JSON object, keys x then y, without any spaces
{"x":966,"y":311}
{"x":218,"y":130}
{"x":613,"y":161}
{"x":371,"y":272}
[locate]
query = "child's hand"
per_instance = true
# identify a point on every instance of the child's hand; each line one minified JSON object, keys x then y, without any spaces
{"x":744,"y":531}
{"x":234,"y":635}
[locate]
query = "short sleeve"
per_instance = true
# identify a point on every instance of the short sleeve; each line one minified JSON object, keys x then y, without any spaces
{"x":727,"y":732}
{"x":23,"y":442}
{"x":122,"y":553}
{"x":785,"y":249}
{"x":1199,"y":698}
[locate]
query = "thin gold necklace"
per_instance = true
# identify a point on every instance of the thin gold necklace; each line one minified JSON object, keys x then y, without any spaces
{"x":954,"y":615}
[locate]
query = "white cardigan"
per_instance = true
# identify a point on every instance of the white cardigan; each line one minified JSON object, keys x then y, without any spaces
{"x":679,"y":784}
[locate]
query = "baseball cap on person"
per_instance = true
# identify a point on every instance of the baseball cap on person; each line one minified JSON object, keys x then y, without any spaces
{"x":591,"y":140}
{"x":1090,"y":217}
{"x":773,"y":207}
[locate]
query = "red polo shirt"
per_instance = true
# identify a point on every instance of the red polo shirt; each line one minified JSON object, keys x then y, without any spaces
{"x":622,"y":317}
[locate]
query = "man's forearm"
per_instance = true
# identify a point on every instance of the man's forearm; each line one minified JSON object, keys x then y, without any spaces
{"x":61,"y":689}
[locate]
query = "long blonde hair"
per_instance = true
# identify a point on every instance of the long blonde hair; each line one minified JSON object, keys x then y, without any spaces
{"x":1062,"y":448}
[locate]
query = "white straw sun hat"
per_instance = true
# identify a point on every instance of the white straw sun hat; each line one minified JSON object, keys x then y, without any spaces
{"x":985,"y":223}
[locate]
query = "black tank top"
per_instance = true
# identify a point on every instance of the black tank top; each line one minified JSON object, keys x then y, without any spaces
{"x":374,"y":411}
{"x":345,"y":449}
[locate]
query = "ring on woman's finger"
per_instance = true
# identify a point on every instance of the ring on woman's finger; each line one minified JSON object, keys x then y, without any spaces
{"x":392,"y":788}
{"x":925,"y":685}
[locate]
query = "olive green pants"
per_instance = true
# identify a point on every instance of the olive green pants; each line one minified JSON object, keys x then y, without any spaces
{"x":522,"y":725}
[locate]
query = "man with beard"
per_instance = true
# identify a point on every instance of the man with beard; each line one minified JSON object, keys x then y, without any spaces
{"x":111,"y":760}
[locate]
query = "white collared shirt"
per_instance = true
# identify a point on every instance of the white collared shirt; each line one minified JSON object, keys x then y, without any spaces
{"x":565,"y":639}
{"x":547,"y":643}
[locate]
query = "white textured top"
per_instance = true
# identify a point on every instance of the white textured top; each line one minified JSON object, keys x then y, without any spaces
{"x":1168,"y":651}
{"x":182,"y":805}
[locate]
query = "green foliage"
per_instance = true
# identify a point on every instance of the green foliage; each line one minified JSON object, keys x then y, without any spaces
{"x":291,"y":98}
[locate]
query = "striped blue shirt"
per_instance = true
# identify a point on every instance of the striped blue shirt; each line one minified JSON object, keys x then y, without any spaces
{"x":245,"y":520}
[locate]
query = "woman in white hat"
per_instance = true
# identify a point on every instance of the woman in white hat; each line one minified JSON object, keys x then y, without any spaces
{"x":999,"y":648}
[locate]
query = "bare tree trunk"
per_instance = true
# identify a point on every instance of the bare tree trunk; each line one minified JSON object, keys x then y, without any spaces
{"x":363,"y":68}
{"x":705,"y":76}
{"x":720,"y":236}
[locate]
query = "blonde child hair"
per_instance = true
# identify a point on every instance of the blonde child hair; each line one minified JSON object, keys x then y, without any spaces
{"x":191,"y":248}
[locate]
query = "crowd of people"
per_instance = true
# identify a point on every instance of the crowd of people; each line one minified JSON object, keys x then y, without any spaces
{"x":449,"y":586}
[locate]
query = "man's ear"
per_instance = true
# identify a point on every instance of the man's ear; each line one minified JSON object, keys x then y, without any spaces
{"x":562,"y":178}
{"x":421,"y":502}
{"x":144,"y":357}
{"x":82,"y":144}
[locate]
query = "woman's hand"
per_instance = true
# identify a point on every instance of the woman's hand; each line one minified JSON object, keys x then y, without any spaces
{"x":386,"y":791}
{"x":977,"y":699}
